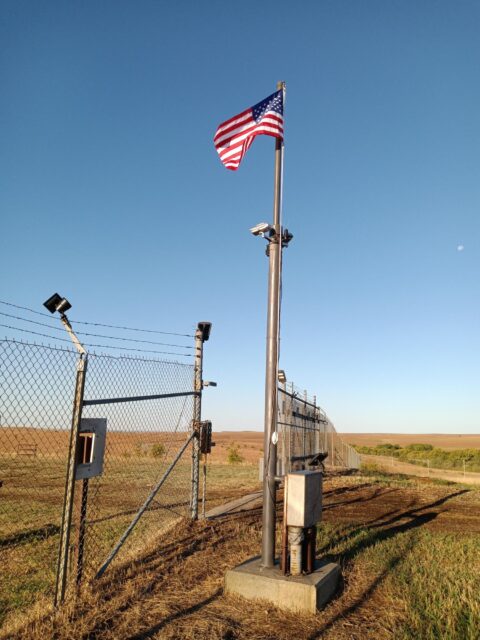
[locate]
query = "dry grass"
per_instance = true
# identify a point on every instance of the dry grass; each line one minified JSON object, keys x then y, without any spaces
{"x":393,"y":538}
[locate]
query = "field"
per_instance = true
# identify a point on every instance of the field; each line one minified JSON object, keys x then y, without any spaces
{"x":251,"y":442}
{"x":409,"y":550}
{"x":440,"y":440}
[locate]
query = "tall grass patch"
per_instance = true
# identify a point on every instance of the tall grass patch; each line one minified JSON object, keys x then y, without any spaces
{"x":438,"y":583}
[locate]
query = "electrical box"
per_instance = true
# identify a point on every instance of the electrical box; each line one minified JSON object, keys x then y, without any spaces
{"x":206,"y":443}
{"x":91,"y":448}
{"x":304,"y":498}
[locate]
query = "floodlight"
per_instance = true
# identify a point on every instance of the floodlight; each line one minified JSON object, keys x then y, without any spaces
{"x":281,"y":376}
{"x":57,"y":303}
{"x":205,"y":328}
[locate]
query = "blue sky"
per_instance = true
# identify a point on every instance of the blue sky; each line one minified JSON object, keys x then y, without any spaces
{"x":111,"y":191}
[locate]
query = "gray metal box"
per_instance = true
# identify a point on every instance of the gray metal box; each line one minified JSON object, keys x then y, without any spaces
{"x":91,"y":448}
{"x":304,"y":498}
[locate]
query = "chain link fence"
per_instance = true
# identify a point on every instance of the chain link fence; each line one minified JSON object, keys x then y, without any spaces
{"x":144,"y":434}
{"x":36,"y":396}
{"x":305,"y":431}
{"x":148,"y":406}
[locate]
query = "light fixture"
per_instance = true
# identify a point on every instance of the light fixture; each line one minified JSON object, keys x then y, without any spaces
{"x":205,"y":328}
{"x":57,"y":303}
{"x":281,"y":376}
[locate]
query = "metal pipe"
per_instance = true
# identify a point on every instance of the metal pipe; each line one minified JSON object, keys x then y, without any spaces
{"x":144,"y":507}
{"x":157,"y":396}
{"x":311,"y":537}
{"x":197,"y":416}
{"x":284,"y":557}
{"x":204,"y":485}
{"x":295,"y":539}
{"x":82,"y":531}
{"x":271,"y":369}
{"x":62,"y":566}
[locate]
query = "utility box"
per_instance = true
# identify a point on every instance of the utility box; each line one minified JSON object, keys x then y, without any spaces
{"x":91,"y":448}
{"x":304,"y":498}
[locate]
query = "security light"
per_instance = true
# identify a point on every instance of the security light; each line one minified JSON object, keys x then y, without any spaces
{"x":204,"y":327}
{"x":57,"y":303}
{"x":281,"y":376}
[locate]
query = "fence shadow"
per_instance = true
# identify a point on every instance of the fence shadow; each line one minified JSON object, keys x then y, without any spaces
{"x":143,"y":635}
{"x":31,"y":535}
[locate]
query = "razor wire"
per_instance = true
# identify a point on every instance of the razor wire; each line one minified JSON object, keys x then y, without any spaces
{"x":305,"y":430}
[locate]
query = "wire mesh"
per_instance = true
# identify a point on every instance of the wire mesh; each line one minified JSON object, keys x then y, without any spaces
{"x":142,"y":439}
{"x":36,"y":395}
{"x":305,"y":430}
{"x":37,"y":385}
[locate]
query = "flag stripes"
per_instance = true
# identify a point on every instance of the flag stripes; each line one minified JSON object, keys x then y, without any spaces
{"x":234,"y":137}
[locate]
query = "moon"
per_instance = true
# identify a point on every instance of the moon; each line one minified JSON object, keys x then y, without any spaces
{"x":460,"y":247}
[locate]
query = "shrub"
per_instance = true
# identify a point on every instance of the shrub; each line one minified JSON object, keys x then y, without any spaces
{"x":157,"y":450}
{"x":419,"y":447}
{"x":371,"y":468}
{"x":233,"y":454}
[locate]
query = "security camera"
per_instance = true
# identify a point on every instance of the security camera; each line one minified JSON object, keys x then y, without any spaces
{"x":261,"y":229}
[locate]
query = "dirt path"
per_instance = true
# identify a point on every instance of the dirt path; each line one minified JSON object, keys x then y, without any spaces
{"x":178,"y":592}
{"x":393,"y":465}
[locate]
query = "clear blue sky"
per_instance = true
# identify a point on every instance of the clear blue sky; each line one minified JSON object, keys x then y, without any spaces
{"x":111,"y":191}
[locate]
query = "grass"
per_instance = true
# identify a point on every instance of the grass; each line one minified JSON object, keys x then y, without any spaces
{"x":31,"y":509}
{"x":438,"y":583}
{"x":429,"y":582}
{"x":426,"y":454}
{"x":403,"y":578}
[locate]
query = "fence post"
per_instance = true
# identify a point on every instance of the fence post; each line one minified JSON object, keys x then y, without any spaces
{"x":202,"y":334}
{"x":62,"y":567}
{"x":333,"y":448}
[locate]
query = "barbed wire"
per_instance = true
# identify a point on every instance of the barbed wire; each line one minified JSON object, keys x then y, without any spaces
{"x":96,"y":335}
{"x":99,"y":346}
{"x":98,"y":324}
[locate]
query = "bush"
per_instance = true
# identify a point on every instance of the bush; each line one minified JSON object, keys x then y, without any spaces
{"x":419,"y":447}
{"x":371,"y":469}
{"x":233,"y":454}
{"x":157,"y":450}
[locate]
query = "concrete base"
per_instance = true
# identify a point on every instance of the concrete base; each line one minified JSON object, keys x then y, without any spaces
{"x":306,"y":594}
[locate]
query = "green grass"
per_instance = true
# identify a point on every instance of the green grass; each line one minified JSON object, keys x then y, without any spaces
{"x":439,"y":584}
{"x":426,"y":454}
{"x":428,"y":581}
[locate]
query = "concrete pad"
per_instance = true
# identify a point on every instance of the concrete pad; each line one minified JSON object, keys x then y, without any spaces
{"x":305,"y":594}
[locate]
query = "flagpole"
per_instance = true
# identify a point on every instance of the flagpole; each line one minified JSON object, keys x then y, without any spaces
{"x":271,"y":370}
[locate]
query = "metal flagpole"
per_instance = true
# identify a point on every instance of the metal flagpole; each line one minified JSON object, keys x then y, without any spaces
{"x":271,"y":373}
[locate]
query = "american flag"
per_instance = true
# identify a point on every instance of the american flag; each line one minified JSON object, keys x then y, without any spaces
{"x":234,"y":137}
